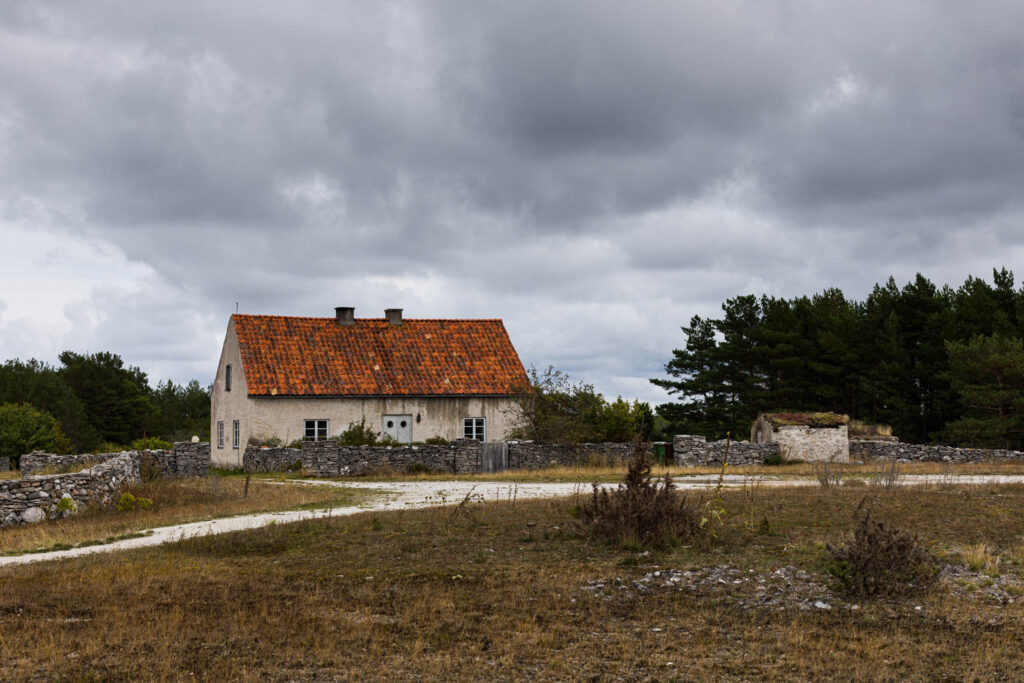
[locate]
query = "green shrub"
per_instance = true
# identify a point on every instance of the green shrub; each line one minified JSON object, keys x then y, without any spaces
{"x":130,"y":503}
{"x":418,"y":468}
{"x":881,"y":560}
{"x":361,"y":434}
{"x":24,"y":429}
{"x":66,"y":506}
{"x":437,"y":441}
{"x":151,"y":443}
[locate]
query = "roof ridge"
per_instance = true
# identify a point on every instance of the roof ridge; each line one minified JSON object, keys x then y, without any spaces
{"x":404,"y":320}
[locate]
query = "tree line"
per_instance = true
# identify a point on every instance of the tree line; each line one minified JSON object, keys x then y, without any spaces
{"x":935,"y":363}
{"x":552,"y":408}
{"x":93,"y":401}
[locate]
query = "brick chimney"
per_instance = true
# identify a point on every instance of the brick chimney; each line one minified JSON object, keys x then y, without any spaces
{"x":345,"y":315}
{"x":394,"y":315}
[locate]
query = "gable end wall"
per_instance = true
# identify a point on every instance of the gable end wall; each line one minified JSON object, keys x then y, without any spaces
{"x":813,"y":444}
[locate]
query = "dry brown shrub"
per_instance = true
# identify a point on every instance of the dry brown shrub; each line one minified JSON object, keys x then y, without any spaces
{"x":866,"y":430}
{"x":642,"y":511}
{"x":881,"y":560}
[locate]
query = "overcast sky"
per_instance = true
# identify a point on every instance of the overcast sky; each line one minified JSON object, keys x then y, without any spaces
{"x":594,"y":173}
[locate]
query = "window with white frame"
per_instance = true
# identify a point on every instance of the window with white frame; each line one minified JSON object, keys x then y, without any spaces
{"x":474,"y":428}
{"x":235,"y":434}
{"x":316,"y":430}
{"x":220,"y":434}
{"x":227,"y":378}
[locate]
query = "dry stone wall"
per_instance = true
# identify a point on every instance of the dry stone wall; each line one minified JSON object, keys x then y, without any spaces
{"x":329,"y":459}
{"x":528,"y":455}
{"x":870,"y":450}
{"x":696,"y":451}
{"x":185,"y":459}
{"x":258,"y":459}
{"x":190,"y":459}
{"x":33,"y":499}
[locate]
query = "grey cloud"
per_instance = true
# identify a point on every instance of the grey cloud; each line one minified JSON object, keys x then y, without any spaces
{"x":548,"y":162}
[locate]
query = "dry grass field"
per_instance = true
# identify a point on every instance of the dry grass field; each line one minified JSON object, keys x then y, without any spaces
{"x":174,"y":501}
{"x":507,"y":590}
{"x":607,"y":473}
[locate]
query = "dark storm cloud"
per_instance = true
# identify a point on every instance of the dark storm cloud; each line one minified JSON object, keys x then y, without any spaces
{"x":582,"y":170}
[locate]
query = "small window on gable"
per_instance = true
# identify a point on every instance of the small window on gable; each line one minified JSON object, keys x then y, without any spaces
{"x":316,"y":430}
{"x":474,"y":428}
{"x":227,"y":378}
{"x":220,"y":434}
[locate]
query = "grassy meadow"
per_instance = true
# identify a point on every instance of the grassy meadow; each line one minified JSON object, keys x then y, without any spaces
{"x":514,"y":589}
{"x":173,"y":501}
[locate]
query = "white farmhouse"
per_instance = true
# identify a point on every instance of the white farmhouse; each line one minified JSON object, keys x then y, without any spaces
{"x":310,"y":378}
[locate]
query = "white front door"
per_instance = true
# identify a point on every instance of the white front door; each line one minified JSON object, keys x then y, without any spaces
{"x":398,"y":427}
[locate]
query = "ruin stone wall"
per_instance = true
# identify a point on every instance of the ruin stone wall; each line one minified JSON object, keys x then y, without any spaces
{"x":185,"y":459}
{"x":35,"y":498}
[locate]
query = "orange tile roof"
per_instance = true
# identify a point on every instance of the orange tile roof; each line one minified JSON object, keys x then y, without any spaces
{"x":286,"y":356}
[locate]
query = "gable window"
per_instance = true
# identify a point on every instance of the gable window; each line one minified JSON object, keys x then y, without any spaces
{"x":227,"y":378}
{"x":474,"y":428}
{"x":316,"y":430}
{"x":220,"y":434}
{"x":235,"y":433}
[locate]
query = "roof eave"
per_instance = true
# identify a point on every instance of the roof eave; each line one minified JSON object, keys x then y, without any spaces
{"x":473,"y":395}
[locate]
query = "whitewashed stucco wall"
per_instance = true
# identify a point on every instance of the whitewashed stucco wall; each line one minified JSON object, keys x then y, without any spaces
{"x":813,"y":444}
{"x":285,"y":417}
{"x":228,"y":406}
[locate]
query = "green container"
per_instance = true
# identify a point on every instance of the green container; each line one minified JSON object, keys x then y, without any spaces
{"x":659,"y":451}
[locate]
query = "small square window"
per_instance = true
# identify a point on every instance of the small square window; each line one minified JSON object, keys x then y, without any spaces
{"x":316,"y":430}
{"x":474,"y":428}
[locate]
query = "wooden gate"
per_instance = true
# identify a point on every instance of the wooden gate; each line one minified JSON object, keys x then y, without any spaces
{"x":494,"y":457}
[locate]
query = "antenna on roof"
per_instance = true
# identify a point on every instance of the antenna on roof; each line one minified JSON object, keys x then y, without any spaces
{"x":236,"y":307}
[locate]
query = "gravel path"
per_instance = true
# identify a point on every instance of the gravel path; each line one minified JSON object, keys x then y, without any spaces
{"x":404,"y":495}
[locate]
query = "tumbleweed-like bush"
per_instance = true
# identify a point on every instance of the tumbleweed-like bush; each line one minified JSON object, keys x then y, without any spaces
{"x":881,"y":560}
{"x":641,"y":510}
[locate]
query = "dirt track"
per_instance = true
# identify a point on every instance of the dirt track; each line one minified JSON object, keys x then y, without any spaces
{"x":400,"y":495}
